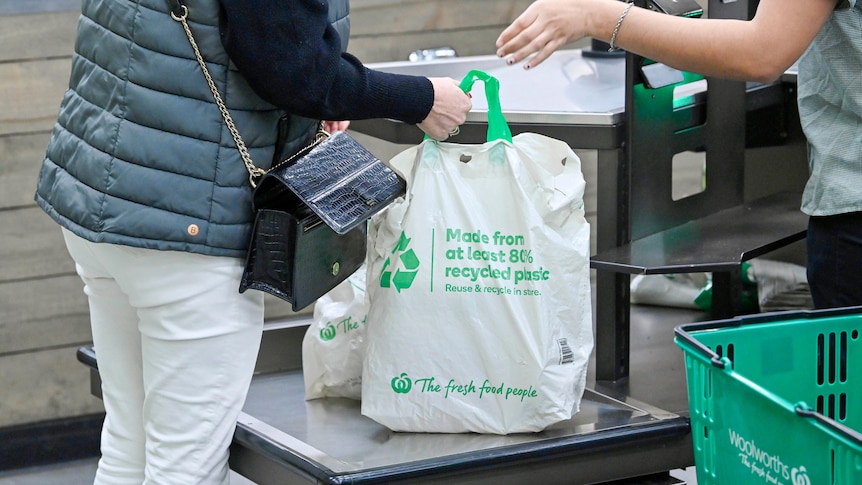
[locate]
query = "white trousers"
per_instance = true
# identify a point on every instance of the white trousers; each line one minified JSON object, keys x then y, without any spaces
{"x":176,"y":346}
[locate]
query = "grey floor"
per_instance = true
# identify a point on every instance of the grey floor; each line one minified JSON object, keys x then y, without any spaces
{"x":81,"y":472}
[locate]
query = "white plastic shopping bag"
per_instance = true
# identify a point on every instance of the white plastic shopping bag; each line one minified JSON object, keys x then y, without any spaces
{"x":334,"y":344}
{"x":479,"y":289}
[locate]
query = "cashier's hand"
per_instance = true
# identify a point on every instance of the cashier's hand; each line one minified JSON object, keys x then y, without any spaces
{"x":544,"y":27}
{"x":451,"y":105}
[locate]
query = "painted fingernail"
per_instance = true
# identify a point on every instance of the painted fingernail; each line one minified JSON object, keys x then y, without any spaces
{"x":510,"y":60}
{"x":527,"y":66}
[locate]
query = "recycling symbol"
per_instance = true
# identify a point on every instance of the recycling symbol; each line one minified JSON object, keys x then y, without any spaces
{"x":400,"y":275}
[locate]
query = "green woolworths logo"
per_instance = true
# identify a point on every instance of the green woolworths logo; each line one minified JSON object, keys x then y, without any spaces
{"x":328,"y":333}
{"x":401,"y":384}
{"x":404,"y":273}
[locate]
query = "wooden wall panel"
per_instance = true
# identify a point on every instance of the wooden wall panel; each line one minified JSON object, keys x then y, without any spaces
{"x":397,"y":47}
{"x":31,"y":247}
{"x":43,"y":313}
{"x":30,"y":94}
{"x":20,"y":157}
{"x":388,"y":17}
{"x":45,"y":384}
{"x":386,"y":31}
{"x":43,"y":35}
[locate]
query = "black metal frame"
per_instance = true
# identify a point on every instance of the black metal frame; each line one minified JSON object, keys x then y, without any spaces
{"x":644,"y":231}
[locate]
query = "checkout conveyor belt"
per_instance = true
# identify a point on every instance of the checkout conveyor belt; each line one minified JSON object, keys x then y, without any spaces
{"x":329,"y":441}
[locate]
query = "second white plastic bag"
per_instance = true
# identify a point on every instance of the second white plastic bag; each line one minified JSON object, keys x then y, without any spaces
{"x":334,"y":344}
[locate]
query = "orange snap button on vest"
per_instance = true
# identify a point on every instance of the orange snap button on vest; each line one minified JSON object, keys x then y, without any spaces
{"x":193,"y":229}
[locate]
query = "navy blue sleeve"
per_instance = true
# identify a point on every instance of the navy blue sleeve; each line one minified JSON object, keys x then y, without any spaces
{"x":292,"y":57}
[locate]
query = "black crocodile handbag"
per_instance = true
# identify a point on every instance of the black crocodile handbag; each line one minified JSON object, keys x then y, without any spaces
{"x":310,"y":229}
{"x":311,"y":209}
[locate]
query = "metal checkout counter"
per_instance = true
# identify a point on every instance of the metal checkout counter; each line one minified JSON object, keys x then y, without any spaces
{"x":596,"y":103}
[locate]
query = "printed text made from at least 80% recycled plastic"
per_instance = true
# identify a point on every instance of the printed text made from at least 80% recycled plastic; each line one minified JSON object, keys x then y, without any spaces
{"x":506,"y":260}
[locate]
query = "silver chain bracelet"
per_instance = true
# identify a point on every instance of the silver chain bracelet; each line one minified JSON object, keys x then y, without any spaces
{"x":613,"y":47}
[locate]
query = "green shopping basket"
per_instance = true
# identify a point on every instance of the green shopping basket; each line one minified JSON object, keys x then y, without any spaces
{"x":776,"y":398}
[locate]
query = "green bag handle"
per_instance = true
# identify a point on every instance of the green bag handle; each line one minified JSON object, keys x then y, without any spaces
{"x":498,"y":128}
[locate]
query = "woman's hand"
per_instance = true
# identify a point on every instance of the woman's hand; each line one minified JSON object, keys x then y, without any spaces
{"x":755,"y":50}
{"x":451,"y":105}
{"x":333,"y":126}
{"x":544,"y":27}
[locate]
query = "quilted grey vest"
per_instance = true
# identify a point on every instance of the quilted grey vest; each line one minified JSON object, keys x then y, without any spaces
{"x":140,"y":154}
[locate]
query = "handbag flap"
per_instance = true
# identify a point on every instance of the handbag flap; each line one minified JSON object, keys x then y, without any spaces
{"x":340,"y":180}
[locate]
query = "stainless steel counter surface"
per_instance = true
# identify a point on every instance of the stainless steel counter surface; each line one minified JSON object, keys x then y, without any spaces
{"x":568,"y":88}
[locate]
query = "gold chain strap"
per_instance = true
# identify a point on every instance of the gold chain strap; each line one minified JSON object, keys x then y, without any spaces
{"x":253,"y":171}
{"x":318,"y":137}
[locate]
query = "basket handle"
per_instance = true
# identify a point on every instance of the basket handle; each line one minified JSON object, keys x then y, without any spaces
{"x":806,"y":411}
{"x":681,"y":333}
